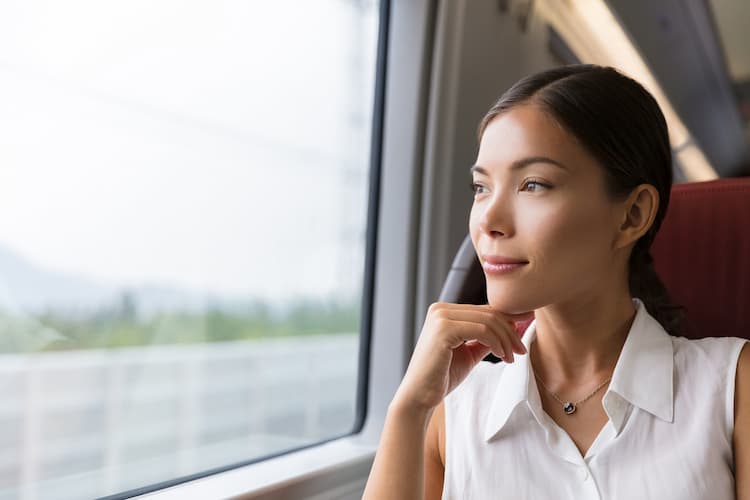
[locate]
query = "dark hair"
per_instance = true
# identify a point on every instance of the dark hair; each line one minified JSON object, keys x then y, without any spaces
{"x":617,"y":121}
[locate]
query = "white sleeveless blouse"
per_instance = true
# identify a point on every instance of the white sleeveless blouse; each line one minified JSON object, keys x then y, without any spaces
{"x":670,"y":405}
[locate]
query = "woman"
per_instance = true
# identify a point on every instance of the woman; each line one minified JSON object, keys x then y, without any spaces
{"x":597,"y":400}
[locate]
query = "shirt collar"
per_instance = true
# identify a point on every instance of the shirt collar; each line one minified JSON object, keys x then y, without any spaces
{"x":642,"y":377}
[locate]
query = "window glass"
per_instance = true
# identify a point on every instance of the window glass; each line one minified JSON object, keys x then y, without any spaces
{"x":183,"y":193}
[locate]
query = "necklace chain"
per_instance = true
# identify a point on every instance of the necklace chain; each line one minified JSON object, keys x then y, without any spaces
{"x":568,"y":406}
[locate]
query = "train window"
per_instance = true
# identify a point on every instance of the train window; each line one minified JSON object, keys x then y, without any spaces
{"x":183,"y":212}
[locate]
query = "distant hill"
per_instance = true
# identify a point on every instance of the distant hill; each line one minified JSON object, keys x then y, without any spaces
{"x":26,"y":287}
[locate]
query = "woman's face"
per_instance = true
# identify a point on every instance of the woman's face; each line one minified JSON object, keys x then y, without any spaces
{"x":540,"y":204}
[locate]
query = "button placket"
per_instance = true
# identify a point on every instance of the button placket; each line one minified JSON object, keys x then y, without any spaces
{"x":588,"y":487}
{"x":584,"y":473}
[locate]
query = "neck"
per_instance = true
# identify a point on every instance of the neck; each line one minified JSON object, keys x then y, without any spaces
{"x":579,"y":342}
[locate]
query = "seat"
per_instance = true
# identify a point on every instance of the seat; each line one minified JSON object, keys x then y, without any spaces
{"x":702,"y":253}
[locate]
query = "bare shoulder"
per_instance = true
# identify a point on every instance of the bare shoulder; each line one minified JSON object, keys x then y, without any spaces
{"x":742,"y":385}
{"x":434,"y":452}
{"x":436,"y":429}
{"x":741,"y":433}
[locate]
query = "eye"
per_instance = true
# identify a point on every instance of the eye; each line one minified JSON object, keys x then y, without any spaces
{"x":475,"y":188}
{"x":534,"y":185}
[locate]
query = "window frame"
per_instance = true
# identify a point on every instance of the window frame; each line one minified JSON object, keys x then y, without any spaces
{"x":341,"y":464}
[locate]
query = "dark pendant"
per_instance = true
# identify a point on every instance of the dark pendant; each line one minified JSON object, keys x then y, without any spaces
{"x":569,"y":408}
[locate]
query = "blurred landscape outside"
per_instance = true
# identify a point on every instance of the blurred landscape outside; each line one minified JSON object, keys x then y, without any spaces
{"x":182,"y":230}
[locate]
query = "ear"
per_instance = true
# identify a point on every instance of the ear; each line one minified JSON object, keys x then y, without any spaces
{"x":637,"y":214}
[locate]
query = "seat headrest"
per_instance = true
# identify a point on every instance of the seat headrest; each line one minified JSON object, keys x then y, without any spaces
{"x":702,"y":254}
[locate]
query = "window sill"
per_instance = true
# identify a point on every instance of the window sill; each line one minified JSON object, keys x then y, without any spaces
{"x":337,"y":469}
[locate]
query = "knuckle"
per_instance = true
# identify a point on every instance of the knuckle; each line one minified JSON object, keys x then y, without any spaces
{"x":502,"y":324}
{"x":440,"y":323}
{"x":439,"y":313}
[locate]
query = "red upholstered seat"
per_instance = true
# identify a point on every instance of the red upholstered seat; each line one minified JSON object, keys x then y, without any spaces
{"x":702,"y":253}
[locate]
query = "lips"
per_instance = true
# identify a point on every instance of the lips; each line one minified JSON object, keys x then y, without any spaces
{"x":499,"y":264}
{"x":499,"y":259}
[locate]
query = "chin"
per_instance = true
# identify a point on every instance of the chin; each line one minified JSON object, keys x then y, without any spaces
{"x":513,"y":303}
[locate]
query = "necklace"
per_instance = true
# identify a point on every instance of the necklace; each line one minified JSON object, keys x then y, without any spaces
{"x":570,"y":407}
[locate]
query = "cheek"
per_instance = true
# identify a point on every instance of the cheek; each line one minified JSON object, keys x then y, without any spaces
{"x":474,"y":224}
{"x":569,"y":244}
{"x":569,"y":237}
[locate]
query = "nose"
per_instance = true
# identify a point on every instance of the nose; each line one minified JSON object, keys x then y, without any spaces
{"x":496,"y":215}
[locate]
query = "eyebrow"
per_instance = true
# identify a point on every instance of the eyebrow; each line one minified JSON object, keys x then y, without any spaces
{"x":523,"y":162}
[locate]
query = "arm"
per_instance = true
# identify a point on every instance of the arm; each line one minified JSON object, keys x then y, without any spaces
{"x":741,"y":437}
{"x":434,"y":455}
{"x":406,"y":435}
{"x":399,"y":462}
{"x":455,"y":337}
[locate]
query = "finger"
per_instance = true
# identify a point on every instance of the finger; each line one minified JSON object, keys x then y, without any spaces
{"x":476,"y":350}
{"x":449,"y":309}
{"x":461,"y":331}
{"x":459,"y":307}
{"x":482,"y":349}
{"x":511,"y":319}
{"x":496,"y":320}
{"x":507,"y":334}
{"x":507,"y":347}
{"x":510,"y":328}
{"x":479,"y":307}
{"x":518,"y":345}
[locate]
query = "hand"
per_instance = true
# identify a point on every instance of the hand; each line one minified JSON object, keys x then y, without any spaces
{"x":454,"y":338}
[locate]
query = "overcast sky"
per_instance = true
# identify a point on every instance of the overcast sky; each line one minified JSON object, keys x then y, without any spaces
{"x":199,"y":144}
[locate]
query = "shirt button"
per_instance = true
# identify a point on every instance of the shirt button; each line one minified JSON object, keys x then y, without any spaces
{"x":584,"y":473}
